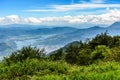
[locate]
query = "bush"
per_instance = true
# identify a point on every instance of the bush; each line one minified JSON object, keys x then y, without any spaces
{"x":114,"y":55}
{"x":100,"y":52}
{"x":58,"y":55}
{"x":25,"y":53}
{"x":84,"y":57}
{"x":72,"y":54}
{"x":101,"y":39}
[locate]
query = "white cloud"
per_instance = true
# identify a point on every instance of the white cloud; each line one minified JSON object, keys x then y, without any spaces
{"x":84,"y":6}
{"x":1,"y":19}
{"x":92,"y":5}
{"x":12,"y":18}
{"x":103,"y":19}
{"x":32,"y":20}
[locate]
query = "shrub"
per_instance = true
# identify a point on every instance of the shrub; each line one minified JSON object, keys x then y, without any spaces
{"x":84,"y":57}
{"x":114,"y":55}
{"x":24,"y":53}
{"x":100,"y":52}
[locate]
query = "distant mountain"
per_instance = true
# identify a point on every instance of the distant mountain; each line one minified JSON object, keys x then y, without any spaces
{"x":56,"y":30}
{"x":115,"y":25}
{"x":73,"y":38}
{"x":14,"y":37}
{"x":114,"y":29}
{"x":17,"y":31}
{"x":20,"y":26}
{"x":80,"y":34}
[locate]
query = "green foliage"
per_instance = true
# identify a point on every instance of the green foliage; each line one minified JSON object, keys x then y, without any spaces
{"x":72,"y":54}
{"x":100,"y":48}
{"x":96,"y":59}
{"x":84,"y":57}
{"x":116,"y":41}
{"x":101,"y":39}
{"x":25,"y":53}
{"x":114,"y":55}
{"x":32,"y":67}
{"x":59,"y":55}
{"x":100,"y":52}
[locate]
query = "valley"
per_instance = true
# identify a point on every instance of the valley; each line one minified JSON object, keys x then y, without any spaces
{"x":51,"y":39}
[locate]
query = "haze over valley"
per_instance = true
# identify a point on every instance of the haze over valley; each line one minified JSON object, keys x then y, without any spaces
{"x":14,"y":38}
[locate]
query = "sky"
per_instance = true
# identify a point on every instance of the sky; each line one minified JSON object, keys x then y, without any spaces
{"x":75,"y":13}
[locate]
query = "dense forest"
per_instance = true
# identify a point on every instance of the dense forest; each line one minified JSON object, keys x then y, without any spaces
{"x":94,"y":59}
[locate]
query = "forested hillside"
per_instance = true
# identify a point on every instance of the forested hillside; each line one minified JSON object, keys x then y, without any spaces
{"x":94,"y":59}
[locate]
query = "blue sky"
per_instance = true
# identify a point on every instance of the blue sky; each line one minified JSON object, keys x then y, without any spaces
{"x":27,"y":11}
{"x":20,"y":7}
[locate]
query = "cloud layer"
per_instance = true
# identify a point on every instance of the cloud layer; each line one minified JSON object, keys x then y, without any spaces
{"x":94,"y":4}
{"x":103,"y":19}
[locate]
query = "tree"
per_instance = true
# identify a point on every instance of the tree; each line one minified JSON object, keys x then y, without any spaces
{"x":84,"y":57}
{"x":100,"y":52}
{"x":114,"y":54}
{"x":115,"y":41}
{"x":100,"y":39}
{"x":72,"y":54}
{"x":26,"y":52}
{"x":58,"y":55}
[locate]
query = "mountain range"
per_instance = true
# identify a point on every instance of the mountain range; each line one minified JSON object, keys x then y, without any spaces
{"x":14,"y":37}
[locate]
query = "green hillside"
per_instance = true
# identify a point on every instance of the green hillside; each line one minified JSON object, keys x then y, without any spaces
{"x":93,"y":59}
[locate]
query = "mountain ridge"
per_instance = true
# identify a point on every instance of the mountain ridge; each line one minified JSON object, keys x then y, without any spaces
{"x":51,"y":37}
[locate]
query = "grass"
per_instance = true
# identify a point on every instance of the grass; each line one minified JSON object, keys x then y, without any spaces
{"x":34,"y":69}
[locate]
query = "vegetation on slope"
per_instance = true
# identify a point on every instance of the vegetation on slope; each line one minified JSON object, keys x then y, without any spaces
{"x":95,"y":59}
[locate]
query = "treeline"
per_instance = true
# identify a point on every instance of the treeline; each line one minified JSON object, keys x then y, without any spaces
{"x":31,"y":63}
{"x":102,"y":47}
